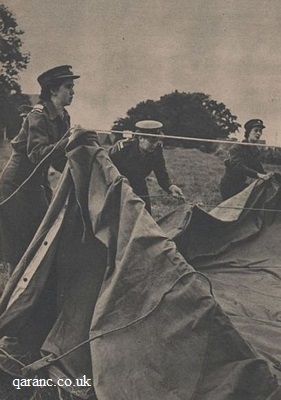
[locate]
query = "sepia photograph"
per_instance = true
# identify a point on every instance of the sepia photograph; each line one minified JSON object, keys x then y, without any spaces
{"x":140,"y":200}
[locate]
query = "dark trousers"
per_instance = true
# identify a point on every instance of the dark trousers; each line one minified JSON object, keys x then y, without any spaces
{"x":142,"y":191}
{"x":20,"y":218}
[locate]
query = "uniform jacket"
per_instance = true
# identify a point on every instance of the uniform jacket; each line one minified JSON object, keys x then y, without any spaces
{"x":41,"y":130}
{"x":21,"y":215}
{"x":136,"y":166}
{"x":243,"y":162}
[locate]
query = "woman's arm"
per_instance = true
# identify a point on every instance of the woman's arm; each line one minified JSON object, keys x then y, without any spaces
{"x":38,"y":138}
{"x":238,"y":157}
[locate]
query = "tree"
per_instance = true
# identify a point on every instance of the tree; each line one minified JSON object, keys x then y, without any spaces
{"x":12,"y":61}
{"x":184,"y":114}
{"x":11,"y":58}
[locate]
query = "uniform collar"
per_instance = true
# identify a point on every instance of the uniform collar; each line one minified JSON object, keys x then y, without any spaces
{"x":53,"y":112}
{"x":143,"y":153}
{"x":140,"y":152}
{"x":136,"y":146}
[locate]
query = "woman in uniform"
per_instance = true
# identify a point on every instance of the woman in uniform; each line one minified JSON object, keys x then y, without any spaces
{"x":25,"y":192}
{"x":244,"y":162}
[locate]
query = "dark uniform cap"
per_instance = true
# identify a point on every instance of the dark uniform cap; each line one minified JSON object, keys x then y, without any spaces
{"x":61,"y":72}
{"x":252,"y":123}
{"x":149,"y":126}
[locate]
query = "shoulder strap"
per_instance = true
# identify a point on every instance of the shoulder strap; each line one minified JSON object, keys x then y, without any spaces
{"x":38,"y":108}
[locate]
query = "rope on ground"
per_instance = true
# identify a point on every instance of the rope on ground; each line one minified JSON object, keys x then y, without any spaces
{"x":200,"y":204}
{"x":241,"y":208}
{"x":12,"y":358}
{"x":50,"y":359}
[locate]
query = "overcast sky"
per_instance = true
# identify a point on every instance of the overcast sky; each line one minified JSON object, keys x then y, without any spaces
{"x":128,"y":51}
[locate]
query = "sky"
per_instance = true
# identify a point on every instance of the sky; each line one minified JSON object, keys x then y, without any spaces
{"x":128,"y":51}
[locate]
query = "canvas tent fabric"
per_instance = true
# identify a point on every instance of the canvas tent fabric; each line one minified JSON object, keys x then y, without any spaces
{"x":107,"y":139}
{"x":237,"y":246}
{"x":100,"y":270}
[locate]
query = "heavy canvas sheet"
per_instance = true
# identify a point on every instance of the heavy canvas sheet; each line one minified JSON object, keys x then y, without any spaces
{"x":101,"y":269}
{"x":237,"y":245}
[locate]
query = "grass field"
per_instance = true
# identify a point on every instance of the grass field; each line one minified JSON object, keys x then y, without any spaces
{"x":196,"y":173}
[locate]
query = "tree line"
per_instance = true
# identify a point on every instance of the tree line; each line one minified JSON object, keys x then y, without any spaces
{"x":182,"y":114}
{"x":12,"y":62}
{"x":194,"y":115}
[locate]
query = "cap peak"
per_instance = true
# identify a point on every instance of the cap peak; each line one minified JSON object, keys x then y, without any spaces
{"x":60,"y":72}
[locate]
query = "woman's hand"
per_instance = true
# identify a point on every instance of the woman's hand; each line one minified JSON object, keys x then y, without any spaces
{"x":176,"y":192}
{"x":80,"y":136}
